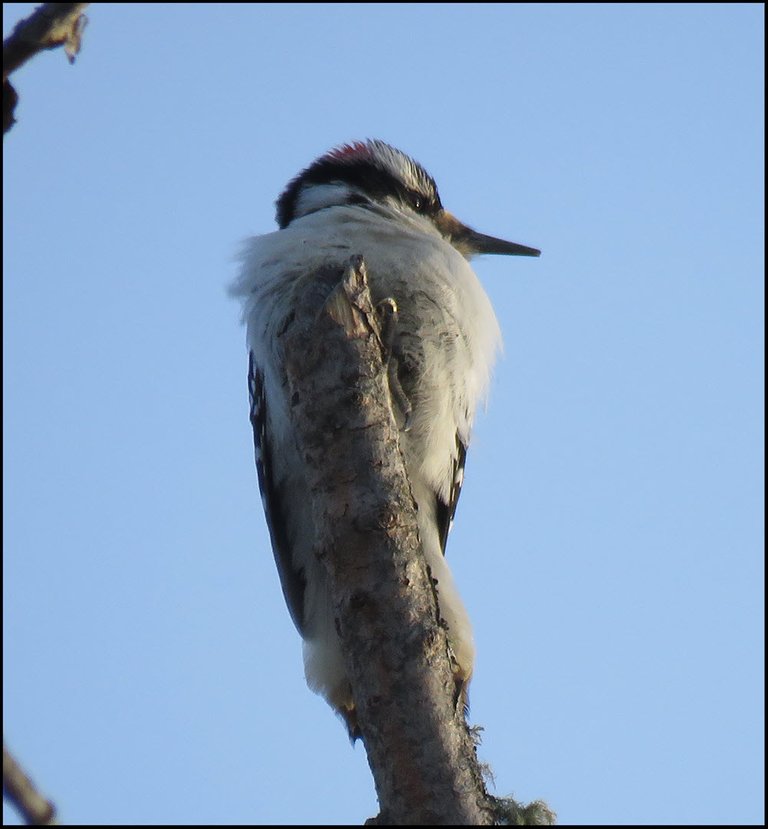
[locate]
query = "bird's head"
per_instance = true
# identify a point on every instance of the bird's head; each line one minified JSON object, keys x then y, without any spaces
{"x":371,"y":173}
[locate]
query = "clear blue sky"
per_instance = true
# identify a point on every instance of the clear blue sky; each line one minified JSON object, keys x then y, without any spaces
{"x":608,"y":542}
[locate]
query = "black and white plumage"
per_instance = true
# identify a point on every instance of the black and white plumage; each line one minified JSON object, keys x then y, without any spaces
{"x":370,"y":199}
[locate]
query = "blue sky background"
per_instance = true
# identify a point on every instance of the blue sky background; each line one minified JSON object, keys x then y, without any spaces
{"x":608,"y":542}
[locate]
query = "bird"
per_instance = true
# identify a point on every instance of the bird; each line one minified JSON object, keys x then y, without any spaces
{"x":366,"y":198}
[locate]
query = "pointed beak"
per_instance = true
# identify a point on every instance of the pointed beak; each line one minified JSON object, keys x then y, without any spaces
{"x":480,"y":243}
{"x":470,"y":242}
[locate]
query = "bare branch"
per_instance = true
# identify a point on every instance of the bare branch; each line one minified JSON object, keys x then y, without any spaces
{"x":49,"y":26}
{"x":419,"y":748}
{"x":23,"y":794}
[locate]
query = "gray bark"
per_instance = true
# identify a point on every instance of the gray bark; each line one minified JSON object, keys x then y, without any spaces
{"x":419,"y":747}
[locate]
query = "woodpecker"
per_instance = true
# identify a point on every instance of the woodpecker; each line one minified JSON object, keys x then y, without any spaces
{"x":371,"y":199}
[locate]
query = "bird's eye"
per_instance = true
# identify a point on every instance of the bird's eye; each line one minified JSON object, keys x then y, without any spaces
{"x":416,"y":201}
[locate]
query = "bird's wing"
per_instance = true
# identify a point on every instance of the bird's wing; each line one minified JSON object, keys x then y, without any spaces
{"x":275,"y":508}
{"x":446,"y":510}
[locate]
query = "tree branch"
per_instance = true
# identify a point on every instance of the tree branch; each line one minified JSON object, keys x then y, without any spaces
{"x":49,"y":26}
{"x":23,"y":794}
{"x":419,"y":748}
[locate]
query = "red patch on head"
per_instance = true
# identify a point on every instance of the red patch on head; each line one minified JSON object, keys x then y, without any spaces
{"x":348,"y":152}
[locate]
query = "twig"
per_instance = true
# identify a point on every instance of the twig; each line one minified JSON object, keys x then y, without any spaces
{"x":23,"y":794}
{"x":49,"y":26}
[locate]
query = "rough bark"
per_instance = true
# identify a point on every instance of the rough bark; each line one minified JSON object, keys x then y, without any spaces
{"x":419,"y":748}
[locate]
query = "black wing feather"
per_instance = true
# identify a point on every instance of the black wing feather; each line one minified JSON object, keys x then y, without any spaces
{"x":292,"y":582}
{"x":445,"y":511}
